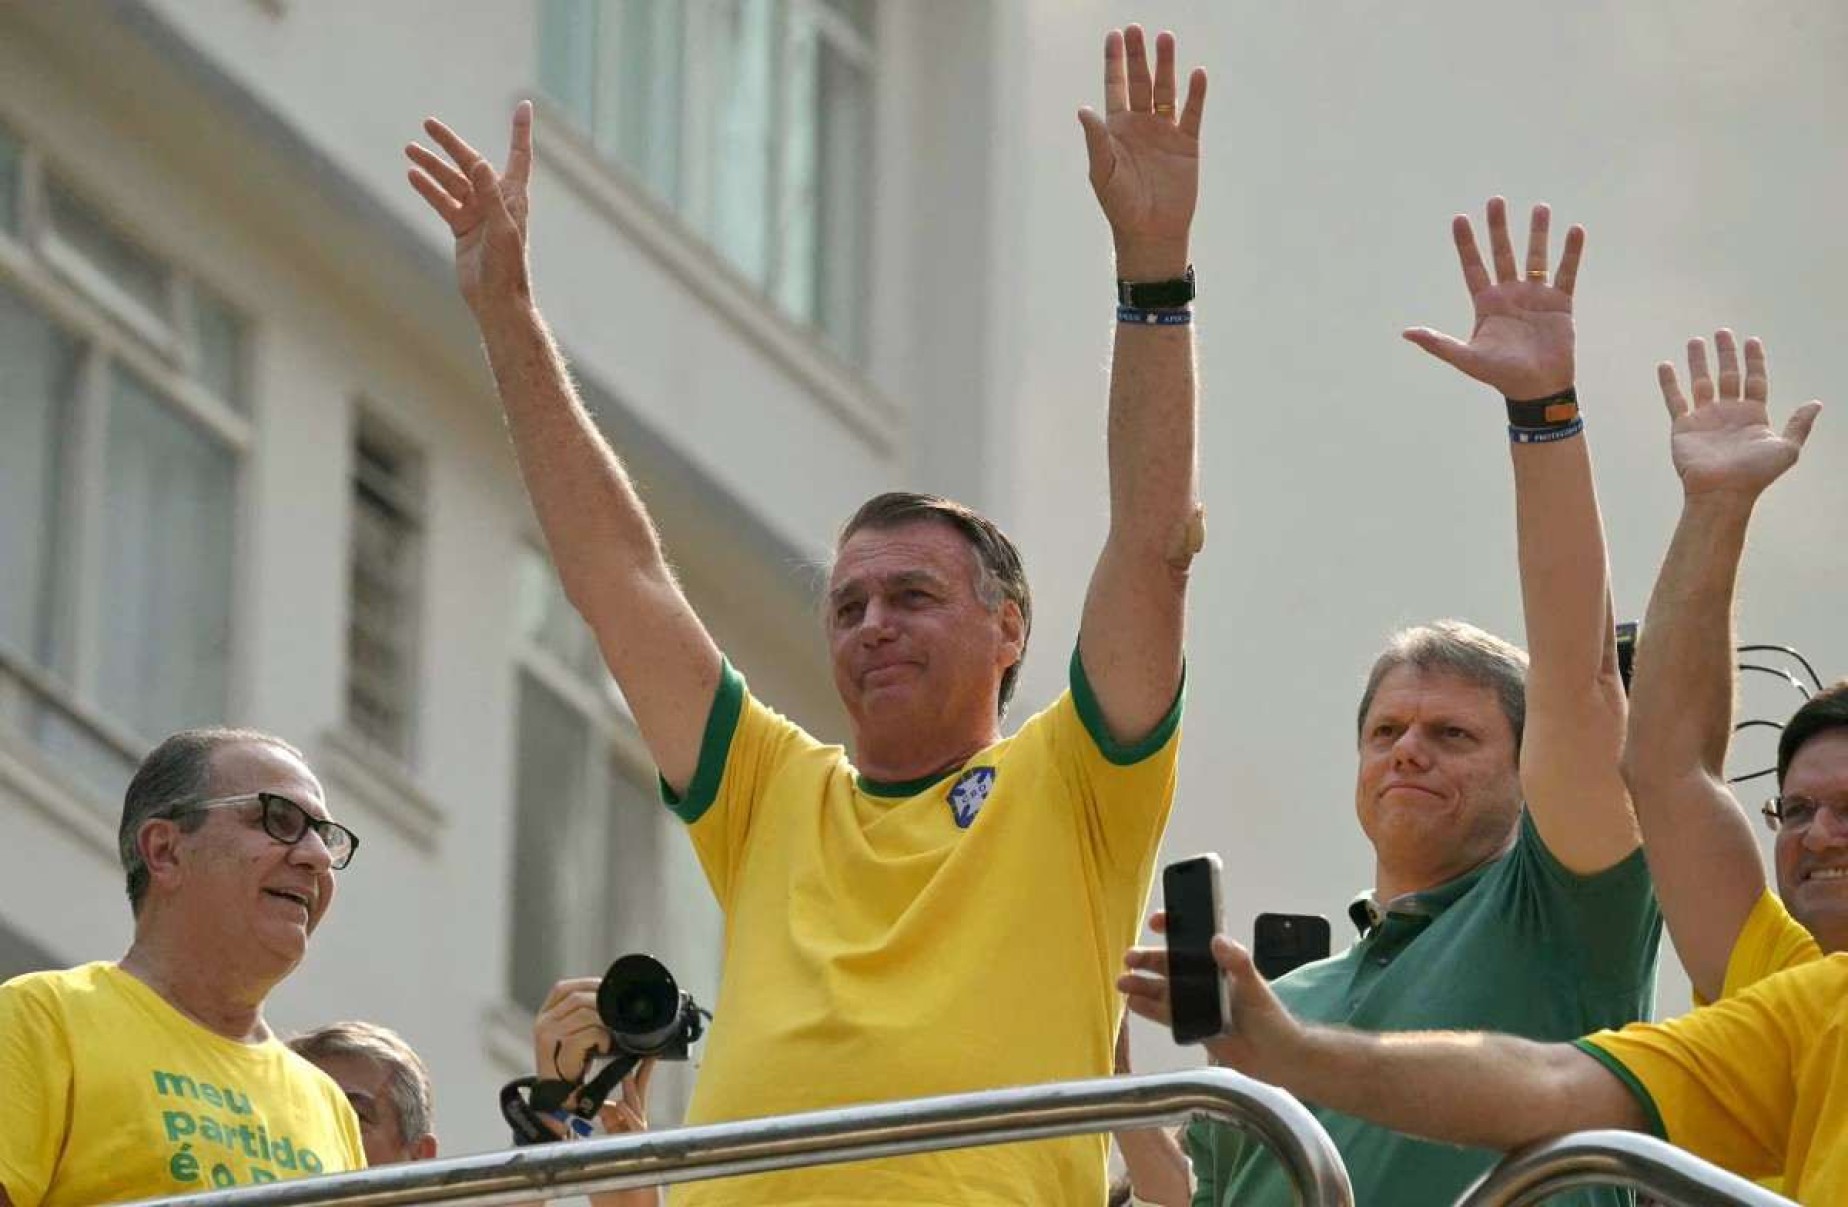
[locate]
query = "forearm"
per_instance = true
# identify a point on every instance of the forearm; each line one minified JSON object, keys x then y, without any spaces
{"x":603,"y":543}
{"x":594,"y":522}
{"x":1682,"y":705}
{"x":1134,"y":610}
{"x":1573,"y":738}
{"x":1565,"y":576}
{"x":1151,"y":428}
{"x":1703,"y":857}
{"x":1158,"y":1170}
{"x":1483,"y":1090}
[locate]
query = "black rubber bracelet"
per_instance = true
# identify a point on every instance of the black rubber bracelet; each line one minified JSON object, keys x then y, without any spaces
{"x":1539,"y":414}
{"x":1157,"y":295}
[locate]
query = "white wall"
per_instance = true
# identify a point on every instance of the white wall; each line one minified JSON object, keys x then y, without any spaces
{"x":1352,"y":484}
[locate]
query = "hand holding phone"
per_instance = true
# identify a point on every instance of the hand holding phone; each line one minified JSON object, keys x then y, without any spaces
{"x":1199,"y":1005}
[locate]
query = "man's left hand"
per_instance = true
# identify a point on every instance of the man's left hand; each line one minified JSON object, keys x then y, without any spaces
{"x":1522,"y":343}
{"x":1145,"y":156}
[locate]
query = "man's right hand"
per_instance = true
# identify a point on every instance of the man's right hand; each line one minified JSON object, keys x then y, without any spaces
{"x":1722,"y":443}
{"x":1258,"y":1037}
{"x":486,"y":210}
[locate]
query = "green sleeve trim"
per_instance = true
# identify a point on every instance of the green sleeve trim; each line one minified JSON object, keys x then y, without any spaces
{"x":1122,"y":754}
{"x":714,"y":747}
{"x":1622,"y":1072}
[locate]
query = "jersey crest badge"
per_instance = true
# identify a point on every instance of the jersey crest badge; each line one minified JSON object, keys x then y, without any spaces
{"x":968,"y":794}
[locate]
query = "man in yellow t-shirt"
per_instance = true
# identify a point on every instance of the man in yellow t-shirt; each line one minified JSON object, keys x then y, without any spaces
{"x":157,"y":1075}
{"x":943,"y":907}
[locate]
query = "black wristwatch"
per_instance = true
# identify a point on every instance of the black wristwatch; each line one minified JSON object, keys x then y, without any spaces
{"x":1157,"y":295}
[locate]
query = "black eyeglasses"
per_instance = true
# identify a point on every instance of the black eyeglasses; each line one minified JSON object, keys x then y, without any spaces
{"x":1797,"y":812}
{"x":286,"y":822}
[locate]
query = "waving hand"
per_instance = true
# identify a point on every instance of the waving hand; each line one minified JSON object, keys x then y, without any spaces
{"x":486,"y":210}
{"x":1522,"y":340}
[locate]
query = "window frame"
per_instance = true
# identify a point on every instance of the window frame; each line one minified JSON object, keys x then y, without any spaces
{"x":411,"y":498}
{"x":113,"y":333}
{"x":697,"y":187}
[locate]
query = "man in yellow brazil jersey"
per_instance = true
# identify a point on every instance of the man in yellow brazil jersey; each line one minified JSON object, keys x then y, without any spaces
{"x":872,"y":896}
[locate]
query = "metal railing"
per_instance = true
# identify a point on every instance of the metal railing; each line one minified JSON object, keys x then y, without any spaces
{"x":886,"y":1129}
{"x":1612,"y":1158}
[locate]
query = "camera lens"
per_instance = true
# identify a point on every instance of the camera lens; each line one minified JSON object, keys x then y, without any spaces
{"x":640,"y":1004}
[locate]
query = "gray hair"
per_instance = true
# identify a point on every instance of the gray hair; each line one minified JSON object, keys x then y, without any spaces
{"x":1455,"y":647}
{"x":409,"y":1083}
{"x":175,"y":772}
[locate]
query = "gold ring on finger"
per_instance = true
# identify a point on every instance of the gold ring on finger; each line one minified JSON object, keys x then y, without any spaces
{"x":1165,"y":110}
{"x":1537,"y":274}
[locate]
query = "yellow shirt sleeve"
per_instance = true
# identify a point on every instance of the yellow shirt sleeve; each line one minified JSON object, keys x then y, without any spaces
{"x":1723,"y":1081}
{"x":1770,"y":942}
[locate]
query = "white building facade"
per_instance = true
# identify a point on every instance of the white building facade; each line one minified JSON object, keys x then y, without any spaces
{"x":799,"y":251}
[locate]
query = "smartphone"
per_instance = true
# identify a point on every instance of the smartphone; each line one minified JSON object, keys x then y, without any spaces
{"x":1283,"y":943}
{"x":1197,"y":996}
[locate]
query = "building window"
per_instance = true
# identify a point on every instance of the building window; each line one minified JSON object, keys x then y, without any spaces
{"x":751,"y":118}
{"x":384,"y":589}
{"x":587,"y":826}
{"x":119,"y":460}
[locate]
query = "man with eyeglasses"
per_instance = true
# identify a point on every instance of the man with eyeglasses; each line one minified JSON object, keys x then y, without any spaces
{"x":157,"y":1075}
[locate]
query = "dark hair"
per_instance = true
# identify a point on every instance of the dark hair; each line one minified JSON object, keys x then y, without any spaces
{"x":409,"y":1081}
{"x":175,"y":772}
{"x":1826,"y":710}
{"x":999,"y":574}
{"x":1461,"y":649}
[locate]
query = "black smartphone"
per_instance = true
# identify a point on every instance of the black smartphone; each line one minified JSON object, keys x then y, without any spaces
{"x":1197,"y":997}
{"x":1283,"y":943}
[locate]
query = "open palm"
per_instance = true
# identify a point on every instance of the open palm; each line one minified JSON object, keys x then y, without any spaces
{"x":1144,"y":157}
{"x":1723,"y":440}
{"x":1522,"y":342}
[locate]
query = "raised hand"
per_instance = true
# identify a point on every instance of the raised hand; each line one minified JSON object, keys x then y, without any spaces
{"x":486,"y":210}
{"x":1144,"y":157}
{"x":1522,"y":342}
{"x":1724,"y":441}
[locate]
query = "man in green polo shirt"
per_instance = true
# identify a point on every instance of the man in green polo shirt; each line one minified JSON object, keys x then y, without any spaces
{"x":1510,"y":893}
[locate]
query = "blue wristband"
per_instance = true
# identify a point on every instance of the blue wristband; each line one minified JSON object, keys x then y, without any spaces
{"x":1545,"y":435}
{"x":1154,"y":318}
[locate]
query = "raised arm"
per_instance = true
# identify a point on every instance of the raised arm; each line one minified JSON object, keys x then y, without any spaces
{"x":1523,"y":347}
{"x":1451,"y":1087}
{"x":600,"y":535}
{"x":1145,"y":168}
{"x":1706,"y":865}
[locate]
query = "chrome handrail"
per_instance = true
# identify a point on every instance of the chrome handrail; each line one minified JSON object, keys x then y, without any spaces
{"x":854,"y":1133}
{"x":1614,"y":1158}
